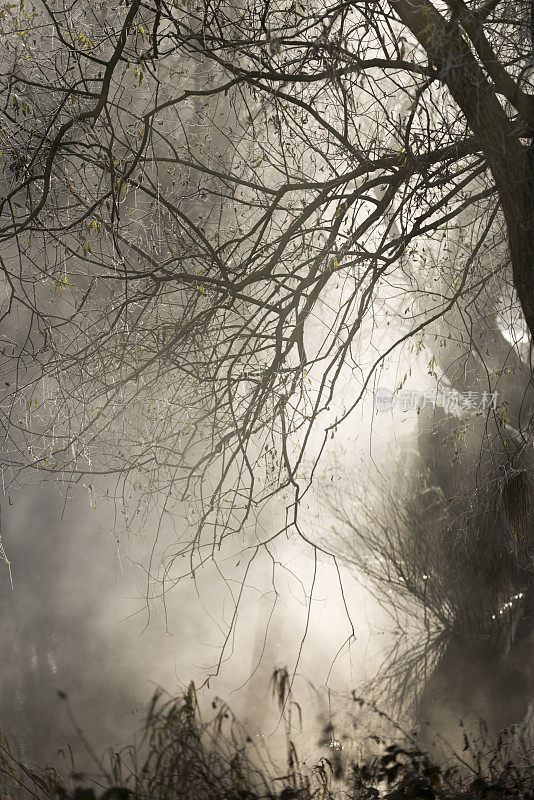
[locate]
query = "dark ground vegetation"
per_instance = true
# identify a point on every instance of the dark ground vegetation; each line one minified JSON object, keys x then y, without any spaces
{"x":182,"y":755}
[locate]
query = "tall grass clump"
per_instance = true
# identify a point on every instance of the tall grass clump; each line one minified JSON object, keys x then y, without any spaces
{"x":183,"y":756}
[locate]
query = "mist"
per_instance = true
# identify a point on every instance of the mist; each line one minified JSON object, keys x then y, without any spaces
{"x":267,"y":402}
{"x":92,"y":630}
{"x":77,"y":621}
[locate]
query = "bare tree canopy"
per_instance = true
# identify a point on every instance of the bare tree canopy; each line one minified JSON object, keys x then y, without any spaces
{"x":210,"y":209}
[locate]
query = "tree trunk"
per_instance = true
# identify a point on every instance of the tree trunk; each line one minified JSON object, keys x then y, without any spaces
{"x":510,"y":162}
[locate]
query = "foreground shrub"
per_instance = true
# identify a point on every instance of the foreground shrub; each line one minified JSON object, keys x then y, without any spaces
{"x":184,"y":757}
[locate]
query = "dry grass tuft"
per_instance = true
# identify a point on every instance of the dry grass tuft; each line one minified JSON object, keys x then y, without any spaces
{"x":189,"y":758}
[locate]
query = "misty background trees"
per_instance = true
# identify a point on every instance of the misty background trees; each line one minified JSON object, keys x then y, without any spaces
{"x":219,"y":222}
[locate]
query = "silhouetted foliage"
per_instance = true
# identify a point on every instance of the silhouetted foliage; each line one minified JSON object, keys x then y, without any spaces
{"x":189,"y":758}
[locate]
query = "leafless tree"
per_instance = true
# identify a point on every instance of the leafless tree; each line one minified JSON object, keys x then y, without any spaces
{"x":208,"y":209}
{"x":446,"y":541}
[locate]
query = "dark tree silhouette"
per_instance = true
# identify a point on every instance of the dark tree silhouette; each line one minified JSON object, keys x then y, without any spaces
{"x":448,"y":544}
{"x":210,"y":209}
